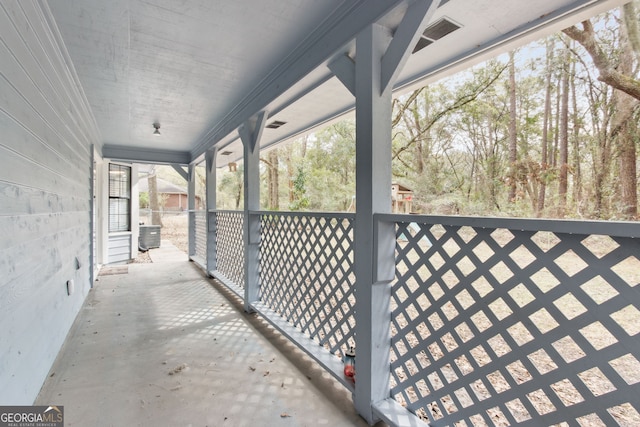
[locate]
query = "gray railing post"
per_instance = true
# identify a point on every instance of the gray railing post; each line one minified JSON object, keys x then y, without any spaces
{"x":250,"y":133}
{"x":210,"y":181}
{"x":373,"y":194}
{"x":191,"y":192}
{"x":380,"y":57}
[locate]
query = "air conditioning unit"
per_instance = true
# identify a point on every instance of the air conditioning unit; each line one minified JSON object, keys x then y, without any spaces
{"x":149,"y":236}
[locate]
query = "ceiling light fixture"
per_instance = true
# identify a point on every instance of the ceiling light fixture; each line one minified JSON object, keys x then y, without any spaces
{"x":157,"y":127}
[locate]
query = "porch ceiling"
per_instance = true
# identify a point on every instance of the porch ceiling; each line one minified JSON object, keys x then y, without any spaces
{"x":200,"y":68}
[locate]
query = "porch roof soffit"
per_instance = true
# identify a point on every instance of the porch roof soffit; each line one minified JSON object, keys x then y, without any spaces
{"x":202,"y":69}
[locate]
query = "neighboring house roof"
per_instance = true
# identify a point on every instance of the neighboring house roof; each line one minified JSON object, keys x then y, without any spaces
{"x":164,"y":187}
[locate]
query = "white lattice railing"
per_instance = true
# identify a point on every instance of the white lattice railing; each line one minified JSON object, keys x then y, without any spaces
{"x":306,"y":274}
{"x":229,"y":246}
{"x":494,"y":321}
{"x":201,"y":235}
{"x":504,"y":322}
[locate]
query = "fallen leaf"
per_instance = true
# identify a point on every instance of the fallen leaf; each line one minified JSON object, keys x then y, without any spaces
{"x":178,"y":369}
{"x":284,"y":415}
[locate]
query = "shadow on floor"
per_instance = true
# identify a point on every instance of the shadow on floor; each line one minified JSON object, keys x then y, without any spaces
{"x":163,"y":345}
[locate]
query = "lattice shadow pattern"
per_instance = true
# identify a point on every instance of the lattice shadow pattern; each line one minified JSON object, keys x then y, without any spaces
{"x":230,"y":245}
{"x":306,"y":269}
{"x":502,"y":327}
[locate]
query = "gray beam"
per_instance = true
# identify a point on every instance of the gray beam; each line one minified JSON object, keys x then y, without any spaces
{"x":373,"y":195}
{"x":183,"y":173}
{"x":251,"y":131}
{"x":405,"y":38}
{"x":145,"y":155}
{"x":569,"y":226}
{"x":337,"y":30}
{"x":344,"y":68}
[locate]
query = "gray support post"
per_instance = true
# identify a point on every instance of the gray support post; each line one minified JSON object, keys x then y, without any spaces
{"x":250,"y":134}
{"x":191,"y":195}
{"x":210,"y":180}
{"x":373,"y":195}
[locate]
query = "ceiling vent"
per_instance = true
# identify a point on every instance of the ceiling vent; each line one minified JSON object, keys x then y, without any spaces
{"x":226,"y":153}
{"x":275,"y":124}
{"x":434,"y":32}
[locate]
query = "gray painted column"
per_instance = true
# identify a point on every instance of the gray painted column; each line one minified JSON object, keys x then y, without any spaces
{"x":211,"y":183}
{"x":250,"y":134}
{"x":374,"y":265}
{"x":191,"y":195}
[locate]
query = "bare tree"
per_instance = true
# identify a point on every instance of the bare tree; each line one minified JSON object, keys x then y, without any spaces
{"x":513,"y":136}
{"x":546,"y":123}
{"x":563,"y":182}
{"x":273,"y":178}
{"x":620,"y":75}
{"x":154,"y":201}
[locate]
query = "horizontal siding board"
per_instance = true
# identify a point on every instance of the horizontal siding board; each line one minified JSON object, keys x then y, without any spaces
{"x":22,"y":229}
{"x":118,"y":258}
{"x":61,"y":78}
{"x":32,"y":264}
{"x":119,"y":248}
{"x":119,"y":252}
{"x":21,"y":170}
{"x":28,"y":78}
{"x":16,"y":108}
{"x":19,"y":140}
{"x":25,"y":349}
{"x":22,"y":106}
{"x":17,"y":199}
{"x":47,"y":133}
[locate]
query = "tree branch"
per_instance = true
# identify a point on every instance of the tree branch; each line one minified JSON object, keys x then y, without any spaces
{"x":608,"y":74}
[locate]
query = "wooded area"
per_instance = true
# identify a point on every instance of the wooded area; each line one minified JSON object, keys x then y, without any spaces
{"x":549,"y":130}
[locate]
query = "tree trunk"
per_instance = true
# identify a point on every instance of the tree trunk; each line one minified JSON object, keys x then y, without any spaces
{"x":513,"y":137}
{"x":563,"y":181}
{"x":273,"y":178}
{"x":544,"y":160}
{"x":623,"y":133}
{"x":418,"y":154}
{"x":575,"y":158}
{"x":290,"y":170}
{"x":154,"y":203}
{"x":628,"y":176}
{"x":553,"y":155}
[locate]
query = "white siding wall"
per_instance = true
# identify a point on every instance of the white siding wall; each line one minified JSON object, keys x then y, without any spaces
{"x":46,"y":137}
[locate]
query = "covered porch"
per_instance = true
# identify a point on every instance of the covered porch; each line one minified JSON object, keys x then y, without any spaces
{"x":455,"y":320}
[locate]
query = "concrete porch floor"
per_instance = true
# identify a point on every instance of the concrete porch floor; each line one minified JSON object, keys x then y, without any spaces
{"x":160,"y":344}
